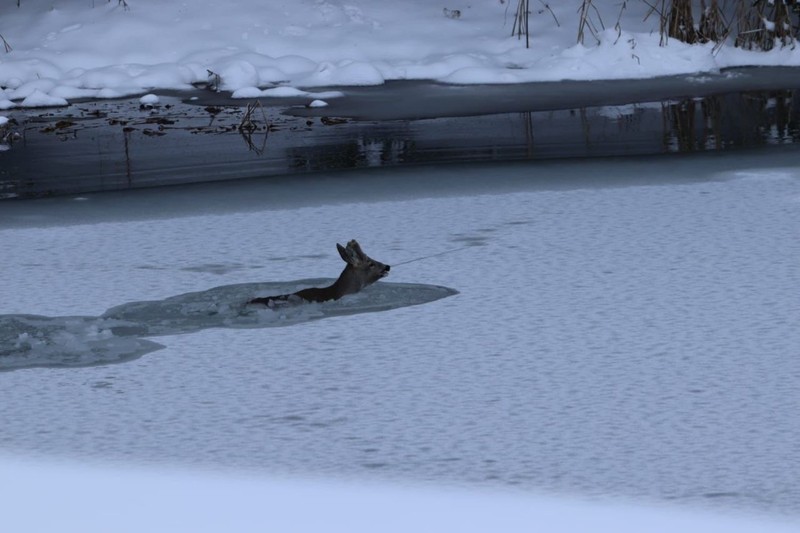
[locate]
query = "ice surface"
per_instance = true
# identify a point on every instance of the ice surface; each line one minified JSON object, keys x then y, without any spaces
{"x":623,"y":328}
{"x":35,"y":341}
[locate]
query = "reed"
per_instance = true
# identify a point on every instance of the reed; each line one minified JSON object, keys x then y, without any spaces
{"x":589,"y":19}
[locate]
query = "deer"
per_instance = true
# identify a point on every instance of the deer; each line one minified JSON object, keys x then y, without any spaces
{"x":361,"y":271}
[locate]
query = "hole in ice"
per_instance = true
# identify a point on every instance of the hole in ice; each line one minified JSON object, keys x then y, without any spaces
{"x":29,"y":341}
{"x":116,"y":336}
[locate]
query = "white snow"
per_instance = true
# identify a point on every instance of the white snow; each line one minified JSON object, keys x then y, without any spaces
{"x":92,"y":498}
{"x":283,"y":92}
{"x":149,"y":99}
{"x":37,"y":98}
{"x":100,"y":49}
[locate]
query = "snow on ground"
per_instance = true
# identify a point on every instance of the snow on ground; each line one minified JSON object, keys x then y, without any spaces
{"x":63,"y":50}
{"x":94,"y":498}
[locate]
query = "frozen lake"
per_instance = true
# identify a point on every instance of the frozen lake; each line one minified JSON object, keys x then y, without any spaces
{"x":621,"y":328}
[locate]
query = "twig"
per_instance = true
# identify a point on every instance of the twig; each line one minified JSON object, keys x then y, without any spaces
{"x":618,"y":25}
{"x":247,"y":126}
{"x":214,"y":80}
{"x":547,"y":7}
{"x":5,"y":44}
{"x":585,"y":21}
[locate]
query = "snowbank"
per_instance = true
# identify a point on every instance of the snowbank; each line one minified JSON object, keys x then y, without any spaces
{"x":91,"y":498}
{"x":73,"y":50}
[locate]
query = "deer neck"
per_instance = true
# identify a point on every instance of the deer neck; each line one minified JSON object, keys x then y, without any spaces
{"x":347,"y":283}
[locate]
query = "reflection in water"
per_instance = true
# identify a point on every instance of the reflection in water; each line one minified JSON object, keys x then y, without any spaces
{"x":717,"y":122}
{"x":730,"y":121}
{"x":363,"y":151}
{"x":107,"y":151}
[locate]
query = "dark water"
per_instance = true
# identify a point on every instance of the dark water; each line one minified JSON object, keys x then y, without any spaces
{"x":117,"y":336}
{"x":113,"y":145}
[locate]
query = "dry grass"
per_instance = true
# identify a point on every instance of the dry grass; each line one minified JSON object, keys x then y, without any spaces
{"x":763,"y":25}
{"x":681,"y":22}
{"x":589,"y":19}
{"x":755,"y":24}
{"x":713,"y":24}
{"x":521,"y":19}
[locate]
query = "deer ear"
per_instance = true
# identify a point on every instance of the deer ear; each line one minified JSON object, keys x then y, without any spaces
{"x":355,"y":250}
{"x":345,"y":253}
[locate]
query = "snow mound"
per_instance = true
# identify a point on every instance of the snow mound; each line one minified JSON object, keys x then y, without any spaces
{"x":116,"y":336}
{"x":282,"y":92}
{"x":149,"y":99}
{"x":40,"y":99}
{"x":349,"y":73}
{"x":98,"y":50}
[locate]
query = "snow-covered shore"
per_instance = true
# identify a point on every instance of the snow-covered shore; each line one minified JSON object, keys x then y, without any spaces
{"x":95,"y":498}
{"x":65,"y":50}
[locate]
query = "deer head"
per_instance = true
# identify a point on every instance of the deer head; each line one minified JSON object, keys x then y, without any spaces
{"x":361,"y":270}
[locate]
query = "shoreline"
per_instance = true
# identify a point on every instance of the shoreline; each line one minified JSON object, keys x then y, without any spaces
{"x":200,"y":137}
{"x":370,"y":185}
